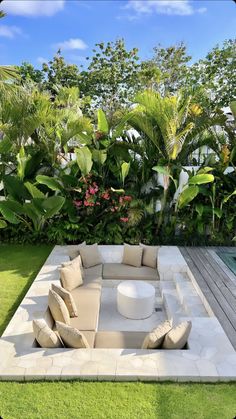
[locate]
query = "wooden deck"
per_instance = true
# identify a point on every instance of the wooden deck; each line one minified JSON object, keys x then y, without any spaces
{"x":217,"y":283}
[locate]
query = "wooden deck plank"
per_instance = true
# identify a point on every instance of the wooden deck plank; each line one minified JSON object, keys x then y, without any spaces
{"x":222,"y":294}
{"x":223,"y":275}
{"x":213,"y":287}
{"x":216,"y":280}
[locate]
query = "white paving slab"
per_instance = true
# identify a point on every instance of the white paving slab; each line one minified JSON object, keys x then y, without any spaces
{"x":210,"y":356}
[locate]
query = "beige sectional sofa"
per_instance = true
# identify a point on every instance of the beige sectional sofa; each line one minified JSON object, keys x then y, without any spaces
{"x":87,"y":301}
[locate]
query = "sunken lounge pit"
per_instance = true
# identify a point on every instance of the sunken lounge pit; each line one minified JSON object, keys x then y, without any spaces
{"x":116,"y":331}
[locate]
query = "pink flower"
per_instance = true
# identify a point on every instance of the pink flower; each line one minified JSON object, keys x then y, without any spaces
{"x":106,"y":195}
{"x":127,"y":198}
{"x":92,"y":190}
{"x":95,"y":186}
{"x":124,"y":219}
{"x":78,"y":203}
{"x":98,"y":203}
{"x":121,"y":200}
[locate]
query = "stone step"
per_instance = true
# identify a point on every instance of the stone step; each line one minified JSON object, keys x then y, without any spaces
{"x":185,"y":290}
{"x":172,"y":305}
{"x":193,"y":306}
{"x":167,"y":286}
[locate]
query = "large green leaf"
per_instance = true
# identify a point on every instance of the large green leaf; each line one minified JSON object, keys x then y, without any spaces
{"x":53,"y":205}
{"x":200,"y":179}
{"x":50,"y":182}
{"x":233,"y":108}
{"x":229,"y":196}
{"x":205,"y":170}
{"x":30,"y":211}
{"x":162,"y":170}
{"x":15,"y":188}
{"x":34,"y":191}
{"x":10,"y":209}
{"x":99,"y":156}
{"x":84,"y":160}
{"x":22,"y":159}
{"x":187,"y":195}
{"x":3,"y":224}
{"x":124,"y":170}
{"x":102,"y":122}
{"x":5,"y":145}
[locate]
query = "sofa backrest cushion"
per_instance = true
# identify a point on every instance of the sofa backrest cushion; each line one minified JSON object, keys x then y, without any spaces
{"x":45,"y":336}
{"x":58,"y":308}
{"x":177,"y":337}
{"x":71,"y":277}
{"x":90,"y":256}
{"x":75,"y":263}
{"x":71,"y":337}
{"x":132,"y":255}
{"x":155,"y":338}
{"x":75,"y":251}
{"x":149,"y":256}
{"x":67,"y":298}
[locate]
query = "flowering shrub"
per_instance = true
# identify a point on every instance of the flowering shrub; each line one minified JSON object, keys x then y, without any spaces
{"x":94,"y":199}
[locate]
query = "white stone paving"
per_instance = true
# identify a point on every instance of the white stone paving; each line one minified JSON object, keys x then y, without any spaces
{"x":210,"y":356}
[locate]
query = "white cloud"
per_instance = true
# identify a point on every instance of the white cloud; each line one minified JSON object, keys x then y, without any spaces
{"x":167,"y":7}
{"x":9,"y":31}
{"x":32,"y":7}
{"x":71,"y":44}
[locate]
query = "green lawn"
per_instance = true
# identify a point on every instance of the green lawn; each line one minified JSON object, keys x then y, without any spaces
{"x":18,"y":266}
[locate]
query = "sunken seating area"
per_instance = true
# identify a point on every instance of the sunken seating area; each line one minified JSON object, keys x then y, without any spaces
{"x":74,"y":303}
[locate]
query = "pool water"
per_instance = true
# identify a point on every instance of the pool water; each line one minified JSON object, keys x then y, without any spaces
{"x":229,"y":258}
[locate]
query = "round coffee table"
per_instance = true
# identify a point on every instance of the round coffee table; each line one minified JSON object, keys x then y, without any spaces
{"x":135,"y":299}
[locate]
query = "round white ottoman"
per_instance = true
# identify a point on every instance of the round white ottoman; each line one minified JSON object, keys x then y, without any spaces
{"x":135,"y":299}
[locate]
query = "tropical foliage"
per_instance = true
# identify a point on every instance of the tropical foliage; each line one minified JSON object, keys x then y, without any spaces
{"x":108,"y":153}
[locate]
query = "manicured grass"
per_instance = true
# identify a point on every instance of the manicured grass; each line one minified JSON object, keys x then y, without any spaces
{"x":117,"y":400}
{"x":85,"y":400}
{"x":18,"y":268}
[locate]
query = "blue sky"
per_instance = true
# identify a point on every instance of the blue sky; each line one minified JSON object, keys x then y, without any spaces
{"x":34,"y":29}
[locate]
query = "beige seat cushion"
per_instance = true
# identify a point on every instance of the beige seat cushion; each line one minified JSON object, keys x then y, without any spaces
{"x":149,"y":255}
{"x":155,"y":338}
{"x":120,"y":271}
{"x":75,"y":263}
{"x":71,"y":337}
{"x":45,"y":336}
{"x":73,"y":253}
{"x":68,"y":299}
{"x":132,"y":255}
{"x":90,"y":256}
{"x":87,"y":301}
{"x":126,"y":340}
{"x":58,"y":308}
{"x":177,"y":337}
{"x":70,"y":277}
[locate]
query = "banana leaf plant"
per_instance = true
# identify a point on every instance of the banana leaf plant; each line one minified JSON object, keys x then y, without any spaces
{"x":34,"y":211}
